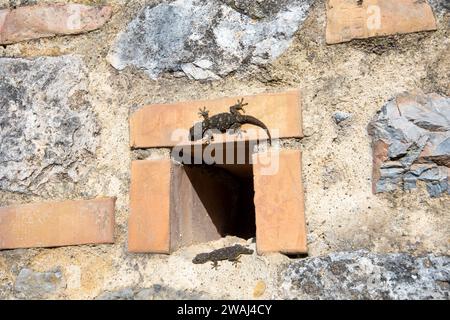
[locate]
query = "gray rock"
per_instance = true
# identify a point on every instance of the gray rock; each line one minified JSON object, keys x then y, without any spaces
{"x":364,"y":275}
{"x":155,"y":292}
{"x":122,"y":294}
{"x":437,"y":188}
{"x":38,"y":285}
{"x":47,"y":126}
{"x":415,"y":129}
{"x":440,"y":7}
{"x":341,"y":116}
{"x":207,"y":39}
{"x":159,"y":292}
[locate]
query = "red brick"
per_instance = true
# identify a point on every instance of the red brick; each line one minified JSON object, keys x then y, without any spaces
{"x":53,"y":224}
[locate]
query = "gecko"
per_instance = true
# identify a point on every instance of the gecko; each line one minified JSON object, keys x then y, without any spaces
{"x":228,"y":253}
{"x":223,"y":122}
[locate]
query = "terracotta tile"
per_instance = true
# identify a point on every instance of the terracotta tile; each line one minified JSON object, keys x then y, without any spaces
{"x":153,"y":125}
{"x":46,"y":20}
{"x":53,"y":224}
{"x":149,"y":221}
{"x":347,"y":20}
{"x":279,"y":202}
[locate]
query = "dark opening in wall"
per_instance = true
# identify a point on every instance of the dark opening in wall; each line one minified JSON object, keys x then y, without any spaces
{"x":212,"y":201}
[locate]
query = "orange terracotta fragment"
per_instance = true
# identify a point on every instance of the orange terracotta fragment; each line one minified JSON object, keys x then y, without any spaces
{"x":279,"y":202}
{"x":47,"y":20}
{"x":149,"y":220}
{"x":52,"y":224}
{"x":352,"y":19}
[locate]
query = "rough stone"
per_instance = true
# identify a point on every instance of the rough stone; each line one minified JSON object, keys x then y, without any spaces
{"x":47,"y":126}
{"x":207,"y":40}
{"x":341,"y":116}
{"x":440,"y":7}
{"x":38,"y":285}
{"x":155,"y":292}
{"x":365,"y":275}
{"x":415,"y":132}
{"x":46,"y":20}
{"x":121,"y":294}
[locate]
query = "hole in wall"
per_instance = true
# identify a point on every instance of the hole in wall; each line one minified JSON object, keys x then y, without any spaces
{"x":212,"y":201}
{"x":231,"y":208}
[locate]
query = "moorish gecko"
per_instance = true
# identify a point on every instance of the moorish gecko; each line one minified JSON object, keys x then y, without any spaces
{"x":223,"y":122}
{"x":228,"y":253}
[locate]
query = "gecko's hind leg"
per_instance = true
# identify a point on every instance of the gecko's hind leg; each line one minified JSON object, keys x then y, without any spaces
{"x":214,"y":265}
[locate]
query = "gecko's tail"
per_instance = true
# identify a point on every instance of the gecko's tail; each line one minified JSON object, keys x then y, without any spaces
{"x":256,"y":122}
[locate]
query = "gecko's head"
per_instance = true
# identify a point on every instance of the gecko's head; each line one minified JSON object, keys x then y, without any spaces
{"x":242,"y":249}
{"x":201,"y":258}
{"x":196,"y":132}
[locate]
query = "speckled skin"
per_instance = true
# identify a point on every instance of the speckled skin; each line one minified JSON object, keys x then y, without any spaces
{"x":228,"y":253}
{"x":223,"y":122}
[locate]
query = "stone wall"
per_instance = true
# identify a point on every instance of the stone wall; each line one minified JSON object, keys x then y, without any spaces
{"x":65,"y":104}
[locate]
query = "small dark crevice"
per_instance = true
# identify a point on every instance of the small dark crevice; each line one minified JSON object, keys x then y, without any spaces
{"x":297,"y":256}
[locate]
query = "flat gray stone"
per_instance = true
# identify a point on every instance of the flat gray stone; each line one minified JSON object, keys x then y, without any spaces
{"x":207,"y":39}
{"x":48,"y":130}
{"x":155,"y":292}
{"x":365,"y":275}
{"x":37,"y":285}
{"x":122,"y":294}
{"x":416,"y":130}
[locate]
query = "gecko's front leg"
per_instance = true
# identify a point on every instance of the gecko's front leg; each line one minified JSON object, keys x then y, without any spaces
{"x":204,"y":113}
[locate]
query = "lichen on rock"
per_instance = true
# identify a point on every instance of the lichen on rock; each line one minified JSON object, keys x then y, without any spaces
{"x":32,"y":284}
{"x":155,"y":292}
{"x":48,"y":130}
{"x":206,"y":39}
{"x":364,"y":275}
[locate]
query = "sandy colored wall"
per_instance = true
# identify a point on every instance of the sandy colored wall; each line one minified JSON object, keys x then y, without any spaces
{"x":341,"y":211}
